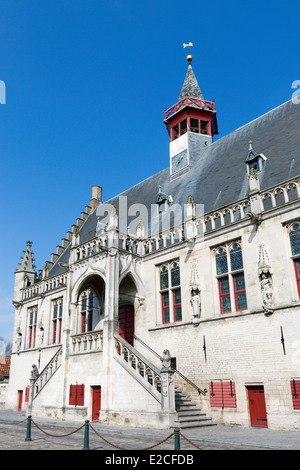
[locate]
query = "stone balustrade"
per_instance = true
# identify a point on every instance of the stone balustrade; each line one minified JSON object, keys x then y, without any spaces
{"x":48,"y":371}
{"x":139,"y":367}
{"x":91,"y":341}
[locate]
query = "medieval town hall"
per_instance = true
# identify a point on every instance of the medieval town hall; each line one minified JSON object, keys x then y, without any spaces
{"x":176,"y":303}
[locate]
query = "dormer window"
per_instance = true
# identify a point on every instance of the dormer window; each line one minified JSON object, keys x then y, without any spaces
{"x":254,"y":161}
{"x":254,"y":166}
{"x":163,"y":201}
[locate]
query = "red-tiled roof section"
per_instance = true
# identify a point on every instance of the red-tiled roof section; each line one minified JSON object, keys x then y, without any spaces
{"x":4,"y":366}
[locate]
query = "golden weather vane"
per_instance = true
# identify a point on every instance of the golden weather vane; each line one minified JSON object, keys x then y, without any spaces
{"x":189,"y":56}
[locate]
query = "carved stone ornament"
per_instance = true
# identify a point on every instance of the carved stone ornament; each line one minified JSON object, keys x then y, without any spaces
{"x":166,"y":360}
{"x":34,"y":372}
{"x":265,"y":277}
{"x":196,"y":305}
{"x":19,"y":340}
{"x":195,"y":294}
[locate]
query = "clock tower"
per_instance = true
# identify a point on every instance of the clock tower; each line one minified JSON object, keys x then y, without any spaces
{"x":191,"y":124}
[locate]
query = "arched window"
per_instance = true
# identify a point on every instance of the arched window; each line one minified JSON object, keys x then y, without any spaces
{"x":295,"y":249}
{"x":89,"y":310}
{"x":57,"y":310}
{"x":295,"y":239}
{"x":170,"y":292}
{"x":230,"y":276}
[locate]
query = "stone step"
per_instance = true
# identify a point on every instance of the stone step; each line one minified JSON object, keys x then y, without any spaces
{"x":184,"y":413}
{"x":188,"y":414}
{"x":195,"y":424}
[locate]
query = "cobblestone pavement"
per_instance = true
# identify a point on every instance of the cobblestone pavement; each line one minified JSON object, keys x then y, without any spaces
{"x":47,"y":434}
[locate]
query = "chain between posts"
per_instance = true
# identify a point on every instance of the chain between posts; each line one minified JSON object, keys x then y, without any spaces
{"x":121,"y":448}
{"x":177,"y":434}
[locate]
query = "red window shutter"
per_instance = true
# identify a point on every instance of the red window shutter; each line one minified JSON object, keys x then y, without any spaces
{"x":80,"y":395}
{"x":27,"y":392}
{"x":229,"y":394}
{"x":76,"y":395}
{"x":295,"y":389}
{"x":72,"y":395}
{"x":222,"y":394}
{"x":215,"y":393}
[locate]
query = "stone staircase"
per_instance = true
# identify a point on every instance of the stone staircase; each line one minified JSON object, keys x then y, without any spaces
{"x":188,"y":414}
{"x":47,"y":373}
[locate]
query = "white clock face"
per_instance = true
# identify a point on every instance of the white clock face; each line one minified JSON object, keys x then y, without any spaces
{"x":178,"y":145}
{"x":179,"y":161}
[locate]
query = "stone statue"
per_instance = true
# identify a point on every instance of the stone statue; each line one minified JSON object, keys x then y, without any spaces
{"x":266,"y":286}
{"x":40,"y":335}
{"x":265,"y":277}
{"x":19,"y":341}
{"x":34,"y":372}
{"x":166,"y":360}
{"x":196,"y":304}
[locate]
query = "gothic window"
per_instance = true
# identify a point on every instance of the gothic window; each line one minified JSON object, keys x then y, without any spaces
{"x":32,"y":325}
{"x":295,"y":239}
{"x":57,"y":310}
{"x":294,"y":234}
{"x":221,"y":261}
{"x":89,"y":310}
{"x":230,"y":278}
{"x":170,"y":292}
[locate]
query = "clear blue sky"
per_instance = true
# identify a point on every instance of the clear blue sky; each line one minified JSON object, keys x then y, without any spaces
{"x":87,"y":82}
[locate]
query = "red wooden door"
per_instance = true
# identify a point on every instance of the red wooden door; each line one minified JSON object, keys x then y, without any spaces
{"x":20,"y":399}
{"x":96,"y":403}
{"x":126,"y":323}
{"x":257,"y":407}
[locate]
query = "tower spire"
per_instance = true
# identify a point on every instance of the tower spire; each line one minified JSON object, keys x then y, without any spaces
{"x":191,"y":124}
{"x":190,"y":86}
{"x":27,"y":264}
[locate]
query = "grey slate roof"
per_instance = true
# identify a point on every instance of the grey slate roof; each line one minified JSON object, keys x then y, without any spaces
{"x":219,"y":177}
{"x":190,"y":86}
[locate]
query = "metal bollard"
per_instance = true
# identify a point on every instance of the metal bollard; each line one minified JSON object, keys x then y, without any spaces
{"x":28,"y":434}
{"x":177,"y":438}
{"x":86,"y":443}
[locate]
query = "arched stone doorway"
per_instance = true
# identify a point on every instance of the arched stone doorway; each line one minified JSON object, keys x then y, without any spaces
{"x":90,"y":304}
{"x":128,"y":296}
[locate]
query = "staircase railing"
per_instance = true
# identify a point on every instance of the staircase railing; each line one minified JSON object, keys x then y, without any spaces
{"x":186,"y":379}
{"x":138,"y":366}
{"x":48,"y":372}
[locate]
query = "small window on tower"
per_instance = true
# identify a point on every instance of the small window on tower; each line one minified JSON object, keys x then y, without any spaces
{"x":194,"y":125}
{"x":183,"y":127}
{"x":176,"y":131}
{"x":204,"y":125}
